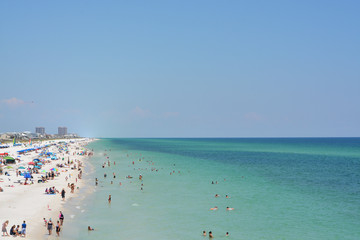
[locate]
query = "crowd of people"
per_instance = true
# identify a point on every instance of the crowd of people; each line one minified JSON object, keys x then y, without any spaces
{"x":64,"y":166}
{"x":50,"y":225}
{"x":15,"y":230}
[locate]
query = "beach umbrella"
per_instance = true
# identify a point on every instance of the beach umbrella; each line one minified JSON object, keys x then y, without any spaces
{"x":54,"y":169}
{"x":31,"y":163}
{"x":40,"y":163}
{"x":36,"y":160}
{"x":8,"y":167}
{"x":43,"y":170}
{"x":21,"y":167}
{"x":38,"y":167}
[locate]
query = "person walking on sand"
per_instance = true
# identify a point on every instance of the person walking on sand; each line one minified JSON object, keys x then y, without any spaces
{"x":50,"y":226}
{"x":58,"y":228}
{"x":3,"y":229}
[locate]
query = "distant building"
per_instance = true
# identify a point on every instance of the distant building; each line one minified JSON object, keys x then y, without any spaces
{"x":62,"y":131}
{"x":40,"y":130}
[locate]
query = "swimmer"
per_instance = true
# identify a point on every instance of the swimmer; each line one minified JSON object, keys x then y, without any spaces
{"x":204,"y":233}
{"x":217,"y":195}
{"x":109,"y":199}
{"x":214,"y":208}
{"x":210,"y":235}
{"x":229,"y":209}
{"x":90,"y":229}
{"x":227,"y":196}
{"x":227,"y":234}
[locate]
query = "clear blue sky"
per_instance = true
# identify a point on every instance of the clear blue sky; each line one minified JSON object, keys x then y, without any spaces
{"x":181,"y":68}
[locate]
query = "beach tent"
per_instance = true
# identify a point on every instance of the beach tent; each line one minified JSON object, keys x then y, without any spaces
{"x":9,"y":160}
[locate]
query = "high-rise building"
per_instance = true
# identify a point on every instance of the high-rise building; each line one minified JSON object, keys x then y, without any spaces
{"x":40,"y":130}
{"x":62,"y":131}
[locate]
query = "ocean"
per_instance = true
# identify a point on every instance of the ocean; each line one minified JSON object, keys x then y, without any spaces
{"x":279,"y":188}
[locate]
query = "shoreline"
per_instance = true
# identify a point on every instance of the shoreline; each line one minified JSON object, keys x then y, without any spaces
{"x":29,"y":202}
{"x":77,"y":205}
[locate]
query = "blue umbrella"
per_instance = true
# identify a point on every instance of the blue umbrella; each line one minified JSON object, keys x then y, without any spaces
{"x":39,"y":163}
{"x":38,"y":167}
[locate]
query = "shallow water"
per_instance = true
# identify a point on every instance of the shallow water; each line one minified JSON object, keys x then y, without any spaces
{"x":304,"y":188}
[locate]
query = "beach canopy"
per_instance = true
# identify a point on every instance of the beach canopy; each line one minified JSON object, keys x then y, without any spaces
{"x":9,"y":160}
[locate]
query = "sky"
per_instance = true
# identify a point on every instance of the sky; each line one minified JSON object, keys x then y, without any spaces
{"x":181,"y":68}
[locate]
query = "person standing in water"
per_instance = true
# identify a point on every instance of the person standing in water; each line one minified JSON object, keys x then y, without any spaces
{"x":63,"y":194}
{"x":109,"y":199}
{"x":61,"y":217}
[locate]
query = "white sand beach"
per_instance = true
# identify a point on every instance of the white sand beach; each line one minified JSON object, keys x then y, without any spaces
{"x":30,"y":203}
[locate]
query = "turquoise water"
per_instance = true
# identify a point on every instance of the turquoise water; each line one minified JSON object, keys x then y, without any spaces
{"x":304,"y":188}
